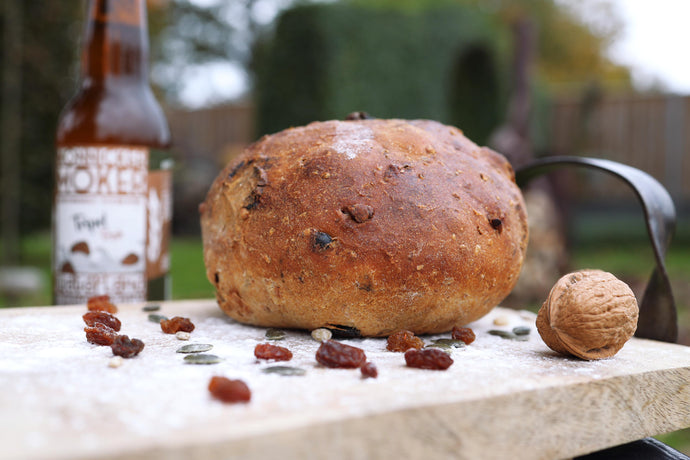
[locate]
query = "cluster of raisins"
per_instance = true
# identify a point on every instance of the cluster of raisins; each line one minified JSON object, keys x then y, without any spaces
{"x":102,"y":328}
{"x":416,"y":355}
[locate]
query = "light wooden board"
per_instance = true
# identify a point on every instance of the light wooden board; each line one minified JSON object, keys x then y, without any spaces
{"x":500,"y":398}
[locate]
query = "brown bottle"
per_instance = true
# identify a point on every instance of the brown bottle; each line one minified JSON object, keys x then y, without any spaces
{"x":112,"y":211}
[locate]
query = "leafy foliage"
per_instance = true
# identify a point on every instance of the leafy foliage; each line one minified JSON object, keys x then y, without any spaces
{"x":325,"y":61}
{"x":48,"y":55}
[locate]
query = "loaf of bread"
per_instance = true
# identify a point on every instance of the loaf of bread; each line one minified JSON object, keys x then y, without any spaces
{"x":368,"y":226}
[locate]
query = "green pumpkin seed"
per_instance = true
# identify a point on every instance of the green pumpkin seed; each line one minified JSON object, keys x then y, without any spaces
{"x":509,"y":335}
{"x":284,"y":370}
{"x":451,"y":343}
{"x":151,"y":307}
{"x":156,"y":318}
{"x":195,"y":348}
{"x":202,"y":358}
{"x":275,"y":334}
{"x":441,"y":346}
{"x":521,"y":330}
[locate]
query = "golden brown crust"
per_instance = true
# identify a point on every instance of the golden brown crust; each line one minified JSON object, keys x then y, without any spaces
{"x":379,"y":225}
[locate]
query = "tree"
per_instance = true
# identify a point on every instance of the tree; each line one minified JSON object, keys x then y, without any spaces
{"x":41,"y":52}
{"x":571,"y":37}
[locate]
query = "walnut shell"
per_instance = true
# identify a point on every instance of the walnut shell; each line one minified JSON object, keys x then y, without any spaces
{"x":589,"y":314}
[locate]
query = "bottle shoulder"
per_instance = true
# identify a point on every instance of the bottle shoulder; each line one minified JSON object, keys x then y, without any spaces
{"x":113,"y":114}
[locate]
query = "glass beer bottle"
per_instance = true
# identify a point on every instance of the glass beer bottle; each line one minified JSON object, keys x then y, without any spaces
{"x":112,"y":206}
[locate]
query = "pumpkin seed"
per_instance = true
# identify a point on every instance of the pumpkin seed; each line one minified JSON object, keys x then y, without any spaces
{"x":509,"y":335}
{"x":151,"y":307}
{"x":451,"y":343}
{"x":194,"y":348}
{"x":202,"y":358}
{"x":447,"y":348}
{"x":275,"y":334}
{"x":521,"y":330}
{"x":284,"y":370}
{"x":156,"y":318}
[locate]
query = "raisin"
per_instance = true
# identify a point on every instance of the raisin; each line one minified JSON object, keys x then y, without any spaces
{"x":321,"y":241}
{"x":101,"y":303}
{"x":428,"y":358}
{"x":100,"y":334}
{"x":496,"y":224}
{"x":268,"y":351}
{"x":463,"y":333}
{"x":126,"y":347}
{"x":103,"y":317}
{"x":229,"y":391}
{"x":403,"y":341}
{"x":176,"y":324}
{"x":369,"y":370}
{"x":336,"y":354}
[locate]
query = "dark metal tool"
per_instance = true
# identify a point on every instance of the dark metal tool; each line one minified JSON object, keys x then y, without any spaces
{"x":658,"y":318}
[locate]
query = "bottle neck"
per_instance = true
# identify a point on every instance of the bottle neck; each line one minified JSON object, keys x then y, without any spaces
{"x":115,"y":41}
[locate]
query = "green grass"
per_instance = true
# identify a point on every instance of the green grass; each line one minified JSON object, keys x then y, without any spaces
{"x":187,"y":270}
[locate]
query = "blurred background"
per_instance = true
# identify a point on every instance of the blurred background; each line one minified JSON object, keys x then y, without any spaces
{"x":530,"y":78}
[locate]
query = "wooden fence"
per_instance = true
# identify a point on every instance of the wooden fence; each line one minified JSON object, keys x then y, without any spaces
{"x":214,"y":134}
{"x":649,"y":132}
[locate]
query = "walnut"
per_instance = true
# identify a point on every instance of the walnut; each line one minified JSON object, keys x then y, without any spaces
{"x":589,"y":314}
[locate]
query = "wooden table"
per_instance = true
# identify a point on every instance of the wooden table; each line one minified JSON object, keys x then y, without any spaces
{"x":500,"y":399}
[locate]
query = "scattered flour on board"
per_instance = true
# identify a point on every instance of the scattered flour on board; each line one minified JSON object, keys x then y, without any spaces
{"x":48,"y":368}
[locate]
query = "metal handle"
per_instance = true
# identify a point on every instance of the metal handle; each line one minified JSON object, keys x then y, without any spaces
{"x":658,"y":318}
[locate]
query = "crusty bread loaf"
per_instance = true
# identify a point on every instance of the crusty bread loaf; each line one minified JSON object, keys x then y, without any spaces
{"x":368,"y":225}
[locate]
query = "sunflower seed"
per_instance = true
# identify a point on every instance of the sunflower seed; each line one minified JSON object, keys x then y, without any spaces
{"x":115,"y":361}
{"x":182,"y":335}
{"x":501,"y":320}
{"x":321,"y":334}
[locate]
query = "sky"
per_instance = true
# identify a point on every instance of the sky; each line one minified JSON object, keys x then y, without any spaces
{"x":653,"y":43}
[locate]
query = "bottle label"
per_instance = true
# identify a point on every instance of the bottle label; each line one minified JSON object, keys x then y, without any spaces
{"x":100,"y":227}
{"x":159,"y":223}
